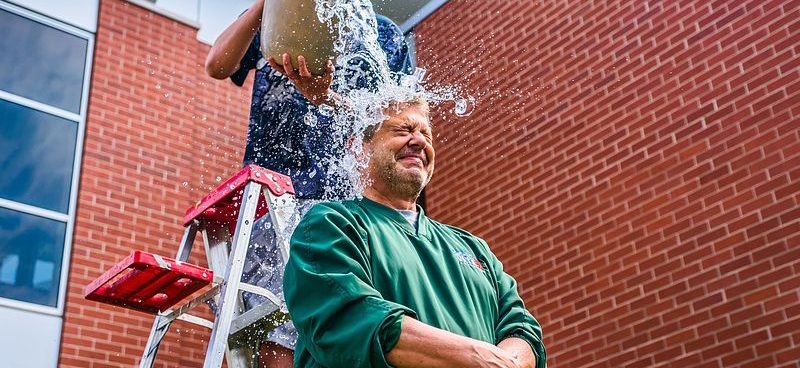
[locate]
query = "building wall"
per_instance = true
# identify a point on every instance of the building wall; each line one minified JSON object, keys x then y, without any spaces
{"x":158,"y":133}
{"x":636,"y":165}
{"x":80,"y":13}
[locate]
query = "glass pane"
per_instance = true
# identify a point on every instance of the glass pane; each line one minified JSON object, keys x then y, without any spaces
{"x":36,"y":153}
{"x":40,"y":62}
{"x":31,"y":250}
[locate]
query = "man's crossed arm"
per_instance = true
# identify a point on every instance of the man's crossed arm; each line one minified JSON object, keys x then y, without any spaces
{"x":421,"y":345}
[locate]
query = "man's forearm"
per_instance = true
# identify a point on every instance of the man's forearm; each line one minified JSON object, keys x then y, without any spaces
{"x":520,"y":349}
{"x":421,"y":345}
{"x":229,"y":48}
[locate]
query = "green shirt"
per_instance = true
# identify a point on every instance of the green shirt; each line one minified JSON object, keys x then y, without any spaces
{"x":357,"y":267}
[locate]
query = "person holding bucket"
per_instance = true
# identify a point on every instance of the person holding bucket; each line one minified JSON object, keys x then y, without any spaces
{"x":280,"y":137}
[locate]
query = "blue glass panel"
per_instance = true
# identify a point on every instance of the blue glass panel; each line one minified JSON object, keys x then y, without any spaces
{"x":31,"y":250}
{"x":36,"y":156}
{"x":40,"y":62}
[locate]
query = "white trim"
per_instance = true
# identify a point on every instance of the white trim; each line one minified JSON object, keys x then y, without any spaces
{"x":66,"y":254}
{"x":45,"y":20}
{"x":31,"y":210}
{"x":421,"y":14}
{"x":36,"y":105}
{"x":156,"y":9}
{"x":29,"y":307}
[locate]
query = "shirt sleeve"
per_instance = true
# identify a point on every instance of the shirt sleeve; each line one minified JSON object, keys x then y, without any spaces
{"x":340,"y":317}
{"x":514,"y":320}
{"x":249,"y":60}
{"x":393,"y":43}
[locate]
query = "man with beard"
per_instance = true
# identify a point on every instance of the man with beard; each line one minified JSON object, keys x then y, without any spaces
{"x":375,"y":283}
{"x":280,"y":138}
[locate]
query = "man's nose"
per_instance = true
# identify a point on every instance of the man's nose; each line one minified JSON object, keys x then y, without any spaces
{"x":418,"y":140}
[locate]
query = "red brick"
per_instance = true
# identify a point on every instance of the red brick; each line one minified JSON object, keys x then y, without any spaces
{"x":664,"y":181}
{"x":144,"y":142}
{"x":742,"y":355}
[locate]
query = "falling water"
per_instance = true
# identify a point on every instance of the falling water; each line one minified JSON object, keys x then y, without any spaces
{"x":367,"y":85}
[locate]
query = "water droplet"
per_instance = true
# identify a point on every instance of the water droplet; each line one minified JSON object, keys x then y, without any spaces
{"x":218,"y":179}
{"x":408,"y":81}
{"x":464,"y":106}
{"x":310,"y":119}
{"x":420,"y":74}
{"x":325,"y":110}
{"x":186,"y":184}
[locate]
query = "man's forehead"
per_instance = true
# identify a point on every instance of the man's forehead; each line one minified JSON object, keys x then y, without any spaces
{"x":412,"y":116}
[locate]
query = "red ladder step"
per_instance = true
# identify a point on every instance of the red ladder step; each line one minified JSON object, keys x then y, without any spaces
{"x":148,"y":283}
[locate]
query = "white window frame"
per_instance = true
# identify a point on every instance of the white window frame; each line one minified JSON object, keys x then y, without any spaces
{"x":80,"y":119}
{"x":424,"y":12}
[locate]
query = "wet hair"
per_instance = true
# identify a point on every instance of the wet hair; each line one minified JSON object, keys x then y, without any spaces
{"x":415,"y":100}
{"x":396,"y":106}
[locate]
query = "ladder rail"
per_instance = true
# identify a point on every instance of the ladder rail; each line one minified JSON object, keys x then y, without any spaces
{"x":173,"y":314}
{"x":160,"y":328}
{"x":176,"y":313}
{"x":229,"y":295}
{"x":281,"y":212}
{"x":217,"y":242}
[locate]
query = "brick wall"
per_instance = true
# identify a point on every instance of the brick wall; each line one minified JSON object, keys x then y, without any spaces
{"x":636,"y":164}
{"x":159,"y":132}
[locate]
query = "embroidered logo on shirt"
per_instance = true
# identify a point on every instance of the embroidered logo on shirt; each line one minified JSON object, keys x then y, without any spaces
{"x":468,"y":259}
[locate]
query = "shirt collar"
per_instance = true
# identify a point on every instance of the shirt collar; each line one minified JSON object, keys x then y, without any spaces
{"x":396,"y":217}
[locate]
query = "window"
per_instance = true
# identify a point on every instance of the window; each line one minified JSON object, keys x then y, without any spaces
{"x":44,"y":75}
{"x":30,"y":257}
{"x":36,"y":151}
{"x":40,"y":62}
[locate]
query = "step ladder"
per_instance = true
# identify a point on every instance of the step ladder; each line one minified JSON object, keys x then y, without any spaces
{"x":154,"y":284}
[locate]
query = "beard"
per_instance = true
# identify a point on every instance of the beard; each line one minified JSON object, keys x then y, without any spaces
{"x":406,"y":183}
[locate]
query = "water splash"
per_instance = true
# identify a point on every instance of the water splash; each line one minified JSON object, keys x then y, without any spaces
{"x":310,"y":119}
{"x":367,"y":86}
{"x":464,"y":106}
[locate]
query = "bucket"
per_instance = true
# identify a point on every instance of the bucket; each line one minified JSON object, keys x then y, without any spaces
{"x":292,"y":26}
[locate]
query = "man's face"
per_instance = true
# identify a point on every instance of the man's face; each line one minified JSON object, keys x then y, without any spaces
{"x":401,"y":152}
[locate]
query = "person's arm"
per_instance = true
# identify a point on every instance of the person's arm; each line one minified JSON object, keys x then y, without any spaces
{"x":224,"y":57}
{"x":424,"y":346}
{"x":516,"y":330}
{"x":519,"y":349}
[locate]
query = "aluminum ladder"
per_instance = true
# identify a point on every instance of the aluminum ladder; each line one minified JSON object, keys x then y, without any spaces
{"x":225,"y":218}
